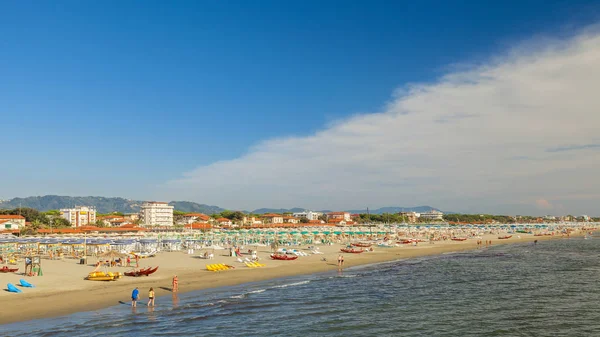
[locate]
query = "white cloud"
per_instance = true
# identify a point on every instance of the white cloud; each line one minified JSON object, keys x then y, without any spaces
{"x":517,"y":130}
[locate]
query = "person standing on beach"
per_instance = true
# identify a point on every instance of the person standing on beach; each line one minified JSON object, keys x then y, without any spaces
{"x":137,"y":261}
{"x":151,"y":297}
{"x":128,"y":261}
{"x":135,"y":294}
{"x":175,"y":284}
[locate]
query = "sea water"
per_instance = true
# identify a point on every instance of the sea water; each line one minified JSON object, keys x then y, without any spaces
{"x":548,"y":289}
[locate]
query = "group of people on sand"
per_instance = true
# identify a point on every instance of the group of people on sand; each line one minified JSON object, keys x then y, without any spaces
{"x":135,"y":294}
{"x":480,"y":243}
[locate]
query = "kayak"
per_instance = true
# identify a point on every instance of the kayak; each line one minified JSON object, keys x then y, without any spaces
{"x":352,"y":251}
{"x":283,"y":257}
{"x":5,"y":269}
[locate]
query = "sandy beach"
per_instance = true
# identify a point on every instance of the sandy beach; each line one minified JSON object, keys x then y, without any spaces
{"x":62,"y":289}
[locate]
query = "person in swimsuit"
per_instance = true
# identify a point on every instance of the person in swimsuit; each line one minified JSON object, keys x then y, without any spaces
{"x":175,"y":284}
{"x":151,"y":297}
{"x":135,"y":294}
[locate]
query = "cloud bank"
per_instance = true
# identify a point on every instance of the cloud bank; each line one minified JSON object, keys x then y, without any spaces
{"x":519,"y":134}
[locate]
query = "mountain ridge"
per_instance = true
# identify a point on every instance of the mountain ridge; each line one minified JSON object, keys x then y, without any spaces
{"x":117,"y":204}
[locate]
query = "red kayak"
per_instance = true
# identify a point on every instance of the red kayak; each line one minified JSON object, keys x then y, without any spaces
{"x":459,"y":239}
{"x":505,"y":237}
{"x":351,"y":250}
{"x":141,"y":272}
{"x":283,"y":257}
{"x":134,"y":273}
{"x":5,"y":269}
{"x":150,"y":271}
{"x":360,"y":244}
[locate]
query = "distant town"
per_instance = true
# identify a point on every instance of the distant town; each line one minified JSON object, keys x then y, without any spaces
{"x":155,"y":215}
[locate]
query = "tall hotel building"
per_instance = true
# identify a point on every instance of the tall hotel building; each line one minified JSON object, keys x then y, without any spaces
{"x":154,"y":213}
{"x":79,"y":216}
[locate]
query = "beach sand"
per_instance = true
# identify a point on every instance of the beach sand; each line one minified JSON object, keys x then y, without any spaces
{"x":62,"y":289}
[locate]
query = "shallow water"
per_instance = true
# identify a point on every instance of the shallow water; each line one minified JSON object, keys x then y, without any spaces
{"x":550,"y":289}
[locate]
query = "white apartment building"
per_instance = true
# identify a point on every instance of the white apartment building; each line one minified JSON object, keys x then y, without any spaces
{"x":310,"y":215}
{"x":79,"y":216}
{"x":154,"y":213}
{"x":433,"y":215}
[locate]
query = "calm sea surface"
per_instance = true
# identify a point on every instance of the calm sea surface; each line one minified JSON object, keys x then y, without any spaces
{"x":552,"y":289}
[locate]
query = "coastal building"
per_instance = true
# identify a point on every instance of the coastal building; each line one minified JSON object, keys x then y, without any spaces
{"x":291,"y":219}
{"x":10,"y":225}
{"x":155,"y":213}
{"x":13,"y":218}
{"x":224,"y":222}
{"x":251,"y":221}
{"x":339,"y":215}
{"x":132,"y":216}
{"x":338,"y":222}
{"x":432,"y":215}
{"x":79,"y":216}
{"x":273,"y":218}
{"x":410,"y":217}
{"x":190,"y":218}
{"x":310,"y":215}
{"x":113,"y":220}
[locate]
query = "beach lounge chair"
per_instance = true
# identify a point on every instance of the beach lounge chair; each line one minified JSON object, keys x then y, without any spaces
{"x":11,"y":287}
{"x":240,"y":260}
{"x":26,"y":284}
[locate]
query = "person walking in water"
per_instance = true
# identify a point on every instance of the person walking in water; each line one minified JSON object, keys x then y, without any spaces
{"x":135,"y":294}
{"x":340,"y":261}
{"x":151,"y":297}
{"x":175,"y":284}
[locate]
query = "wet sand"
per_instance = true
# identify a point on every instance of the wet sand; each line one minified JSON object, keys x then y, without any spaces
{"x":62,"y":289}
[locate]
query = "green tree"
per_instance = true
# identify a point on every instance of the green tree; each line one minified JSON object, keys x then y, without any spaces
{"x":304,"y":220}
{"x":61,"y":223}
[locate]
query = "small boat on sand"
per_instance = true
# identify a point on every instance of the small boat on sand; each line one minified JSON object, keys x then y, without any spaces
{"x":361,"y":244}
{"x":459,"y":239}
{"x":352,"y":250}
{"x":505,"y":237}
{"x":5,"y":269}
{"x":283,"y":257}
{"x":141,"y":272}
{"x":102,"y":276}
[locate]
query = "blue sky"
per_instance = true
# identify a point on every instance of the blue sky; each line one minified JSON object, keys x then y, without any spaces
{"x":122,"y":98}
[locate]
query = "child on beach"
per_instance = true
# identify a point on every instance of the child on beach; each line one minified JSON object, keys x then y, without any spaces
{"x":175,"y":284}
{"x":151,"y":297}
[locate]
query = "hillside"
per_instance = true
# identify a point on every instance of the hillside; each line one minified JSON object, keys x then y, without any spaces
{"x":109,"y":205}
{"x":102,"y":204}
{"x":418,"y":209}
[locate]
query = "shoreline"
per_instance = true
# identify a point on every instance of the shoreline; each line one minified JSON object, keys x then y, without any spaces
{"x":48,"y":302}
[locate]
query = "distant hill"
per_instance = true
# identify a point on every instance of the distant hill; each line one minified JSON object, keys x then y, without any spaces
{"x":278,"y":210}
{"x":109,"y":205}
{"x":418,"y":209}
{"x":102,"y":204}
{"x":192,"y":207}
